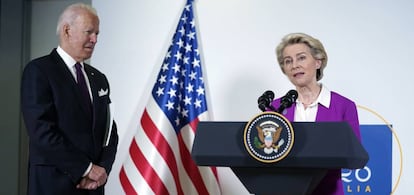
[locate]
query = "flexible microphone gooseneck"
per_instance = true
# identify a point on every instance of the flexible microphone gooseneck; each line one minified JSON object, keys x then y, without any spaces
{"x":287,"y":100}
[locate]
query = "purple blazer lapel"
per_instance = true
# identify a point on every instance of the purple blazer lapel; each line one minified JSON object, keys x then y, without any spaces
{"x":289,"y":113}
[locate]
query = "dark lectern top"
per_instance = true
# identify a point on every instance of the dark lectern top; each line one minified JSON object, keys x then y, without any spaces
{"x":327,"y":145}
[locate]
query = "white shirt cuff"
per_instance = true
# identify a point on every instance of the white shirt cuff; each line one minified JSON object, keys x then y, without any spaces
{"x":87,"y":170}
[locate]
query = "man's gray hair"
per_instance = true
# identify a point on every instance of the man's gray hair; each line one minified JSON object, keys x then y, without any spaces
{"x":71,"y":12}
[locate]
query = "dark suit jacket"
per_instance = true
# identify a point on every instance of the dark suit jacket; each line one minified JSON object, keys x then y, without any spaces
{"x":64,"y":139}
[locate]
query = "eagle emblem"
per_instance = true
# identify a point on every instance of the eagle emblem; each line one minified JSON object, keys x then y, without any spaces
{"x":269,"y":137}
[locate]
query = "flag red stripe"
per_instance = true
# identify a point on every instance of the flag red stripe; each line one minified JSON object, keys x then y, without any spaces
{"x":214,"y":170}
{"x":193,"y":124}
{"x":163,"y":148}
{"x":146,"y":170}
{"x":191,"y":167}
{"x":126,"y":184}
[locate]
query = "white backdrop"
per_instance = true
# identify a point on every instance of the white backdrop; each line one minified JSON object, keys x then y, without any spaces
{"x":369,"y":45}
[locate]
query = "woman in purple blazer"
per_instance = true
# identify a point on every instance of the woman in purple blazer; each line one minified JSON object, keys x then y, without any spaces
{"x":302,"y":59}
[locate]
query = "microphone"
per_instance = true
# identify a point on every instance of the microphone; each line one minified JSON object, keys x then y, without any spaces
{"x":265,"y":100}
{"x":287,"y":100}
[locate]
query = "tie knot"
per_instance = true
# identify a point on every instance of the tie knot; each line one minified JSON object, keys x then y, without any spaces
{"x":78,"y":66}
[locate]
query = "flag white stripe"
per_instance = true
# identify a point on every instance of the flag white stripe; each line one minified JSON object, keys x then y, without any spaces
{"x":157,"y":162}
{"x":135,"y":177}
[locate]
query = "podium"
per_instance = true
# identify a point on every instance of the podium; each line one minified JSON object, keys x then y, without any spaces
{"x":318,"y":147}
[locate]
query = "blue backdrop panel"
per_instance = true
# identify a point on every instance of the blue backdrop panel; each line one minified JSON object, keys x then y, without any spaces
{"x":376,"y":176}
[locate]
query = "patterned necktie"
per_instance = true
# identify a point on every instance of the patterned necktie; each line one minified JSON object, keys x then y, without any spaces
{"x":84,"y":88}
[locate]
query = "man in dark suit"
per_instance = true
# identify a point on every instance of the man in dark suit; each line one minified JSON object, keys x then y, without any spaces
{"x":73,"y":139}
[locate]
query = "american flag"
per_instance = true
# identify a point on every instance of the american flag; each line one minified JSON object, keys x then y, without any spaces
{"x":159,"y":160}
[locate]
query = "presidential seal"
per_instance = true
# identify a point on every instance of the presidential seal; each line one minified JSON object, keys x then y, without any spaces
{"x":268,"y":137}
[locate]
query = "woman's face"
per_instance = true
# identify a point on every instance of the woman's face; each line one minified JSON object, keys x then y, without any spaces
{"x":299,"y":65}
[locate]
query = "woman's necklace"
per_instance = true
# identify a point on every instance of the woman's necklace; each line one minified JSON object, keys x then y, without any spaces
{"x":312,"y":99}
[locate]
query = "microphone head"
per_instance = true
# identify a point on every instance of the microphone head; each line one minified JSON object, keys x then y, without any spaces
{"x":289,"y":98}
{"x":262,"y":100}
{"x":269,"y":94}
{"x":265,"y":100}
{"x":293,"y":94}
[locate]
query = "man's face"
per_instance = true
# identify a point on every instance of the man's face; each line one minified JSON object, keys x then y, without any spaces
{"x":81,"y":36}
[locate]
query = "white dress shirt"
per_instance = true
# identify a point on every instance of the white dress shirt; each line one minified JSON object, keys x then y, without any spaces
{"x":309,"y":114}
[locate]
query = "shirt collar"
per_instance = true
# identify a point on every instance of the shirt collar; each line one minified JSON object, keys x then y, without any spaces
{"x":69,"y":61}
{"x":324,"y":97}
